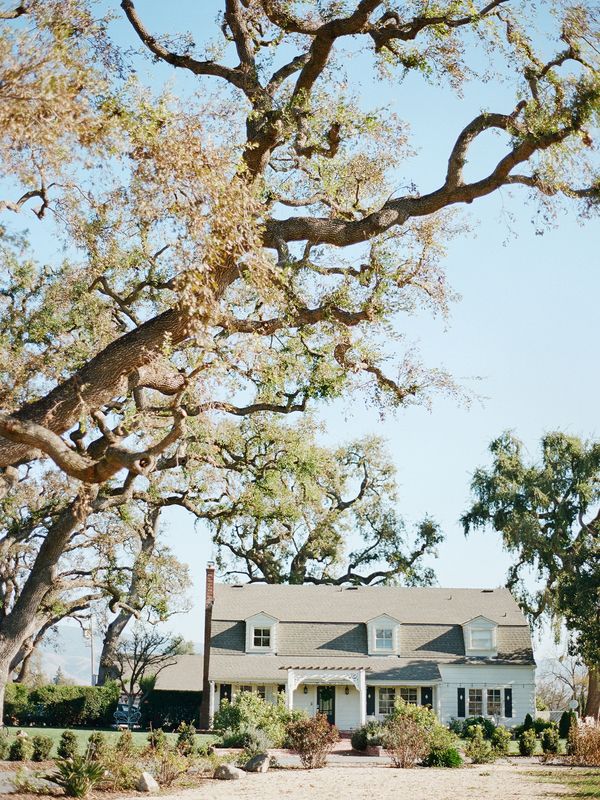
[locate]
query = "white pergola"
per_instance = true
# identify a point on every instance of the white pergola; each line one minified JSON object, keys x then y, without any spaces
{"x":328,"y":677}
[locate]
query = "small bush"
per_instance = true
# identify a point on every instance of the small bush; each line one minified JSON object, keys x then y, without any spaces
{"x":250,"y":710}
{"x":4,"y":746}
{"x":125,"y":744}
{"x":370,"y":735}
{"x":186,"y":738}
{"x":567,"y":719}
{"x":479,"y":749}
{"x":449,"y":758}
{"x":169,"y":763}
{"x":550,"y":741}
{"x":528,"y":722}
{"x":97,"y":746}
{"x":527,"y":742}
{"x":121,"y":769}
{"x":20,"y":749}
{"x":77,"y":775}
{"x":312,"y":739}
{"x":406,"y":741}
{"x":42,"y":746}
{"x":441,"y":743}
{"x":157,"y":739}
{"x":540,"y":725}
{"x":456,"y":726}
{"x":255,"y":742}
{"x":487,"y":725}
{"x":67,"y":746}
{"x":500,"y":740}
{"x":584,"y":744}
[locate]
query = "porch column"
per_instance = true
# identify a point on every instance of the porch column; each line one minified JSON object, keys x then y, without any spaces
{"x":211,"y":702}
{"x":289,"y":693}
{"x":362,"y":693}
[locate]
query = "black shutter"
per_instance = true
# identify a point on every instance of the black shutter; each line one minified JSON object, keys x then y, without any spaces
{"x":370,"y":700}
{"x":281,"y":688}
{"x":225,"y":692}
{"x":461,"y":703}
{"x":508,"y":703}
{"x":426,"y":695}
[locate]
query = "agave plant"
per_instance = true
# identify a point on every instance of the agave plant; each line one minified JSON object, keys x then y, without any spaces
{"x":77,"y":775}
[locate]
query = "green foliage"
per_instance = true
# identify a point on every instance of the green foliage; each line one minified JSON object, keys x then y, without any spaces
{"x":528,"y":723}
{"x":20,"y":749}
{"x":122,"y":768}
{"x":157,"y":738}
{"x":186,"y":738}
{"x":413,"y":733}
{"x":479,"y":749}
{"x":97,"y":746}
{"x":61,"y":706}
{"x":255,"y":742}
{"x":550,"y":741}
{"x":312,"y":739}
{"x":168,"y":764}
{"x":442,"y":749}
{"x":77,"y":775}
{"x":125,"y":743}
{"x":527,"y":742}
{"x":42,"y":746}
{"x":567,"y":720}
{"x":249,"y":710}
{"x":544,"y":512}
{"x":488,"y":726}
{"x":369,"y":735}
{"x":67,"y":746}
{"x":4,"y":745}
{"x":540,"y":725}
{"x":500,"y":740}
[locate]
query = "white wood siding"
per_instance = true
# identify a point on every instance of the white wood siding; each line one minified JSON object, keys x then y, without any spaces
{"x":521,"y":679}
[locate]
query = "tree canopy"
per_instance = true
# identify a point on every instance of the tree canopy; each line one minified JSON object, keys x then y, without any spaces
{"x":548,"y":514}
{"x":249,"y":246}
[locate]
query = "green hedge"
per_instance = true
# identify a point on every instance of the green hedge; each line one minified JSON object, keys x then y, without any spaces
{"x":61,"y":706}
{"x":167,"y":709}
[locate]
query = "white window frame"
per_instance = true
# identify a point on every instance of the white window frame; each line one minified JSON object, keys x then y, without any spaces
{"x":390,"y":691}
{"x":500,"y":712}
{"x":262,"y":632}
{"x":489,"y":644}
{"x":388,"y":636}
{"x":379,"y":624}
{"x":479,"y":713}
{"x":409,"y":692}
{"x":257,"y":624}
{"x":474,"y":627}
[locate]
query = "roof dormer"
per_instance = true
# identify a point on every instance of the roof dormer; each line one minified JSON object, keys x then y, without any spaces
{"x":480,"y":634}
{"x":261,"y":634}
{"x":383,"y":636}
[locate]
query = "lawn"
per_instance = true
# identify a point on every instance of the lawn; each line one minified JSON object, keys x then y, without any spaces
{"x":580,"y":783}
{"x":140,"y":738}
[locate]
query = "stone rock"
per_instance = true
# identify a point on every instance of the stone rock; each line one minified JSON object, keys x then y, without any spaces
{"x":227,"y":772}
{"x":259,"y":763}
{"x":147,"y":783}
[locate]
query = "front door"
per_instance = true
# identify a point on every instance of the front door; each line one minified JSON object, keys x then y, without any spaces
{"x":326,"y":702}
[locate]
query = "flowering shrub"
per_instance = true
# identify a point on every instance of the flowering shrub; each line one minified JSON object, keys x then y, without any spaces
{"x":312,"y":739}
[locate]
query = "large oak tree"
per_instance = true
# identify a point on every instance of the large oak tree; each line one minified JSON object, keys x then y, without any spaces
{"x":243,"y":251}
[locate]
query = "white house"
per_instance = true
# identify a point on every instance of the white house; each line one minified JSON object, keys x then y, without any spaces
{"x":349,"y":652}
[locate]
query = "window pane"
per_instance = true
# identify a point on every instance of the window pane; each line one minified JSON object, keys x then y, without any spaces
{"x":481,"y":640}
{"x":245,"y":689}
{"x":475,"y":702}
{"x":262,"y":637}
{"x":384,"y":639}
{"x":494,"y":702}
{"x":261,"y":691}
{"x":409,"y":694}
{"x":387,"y":697}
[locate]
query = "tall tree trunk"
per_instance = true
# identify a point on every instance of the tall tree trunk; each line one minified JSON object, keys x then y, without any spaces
{"x":25,"y":667}
{"x":592,"y":707}
{"x":108,"y":668}
{"x":21,"y":622}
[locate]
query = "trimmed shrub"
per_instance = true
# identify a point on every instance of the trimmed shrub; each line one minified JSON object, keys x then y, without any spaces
{"x":157,"y":739}
{"x":249,"y":710}
{"x":61,"y":706}
{"x":186,"y":738}
{"x":442,"y":749}
{"x":96,"y":746}
{"x":528,"y":722}
{"x":67,"y":746}
{"x":487,"y":725}
{"x":500,"y":740}
{"x":479,"y":749}
{"x":540,"y":725}
{"x":527,"y":742}
{"x":166,"y":709}
{"x":370,"y":735}
{"x":125,"y":744}
{"x":16,"y":703}
{"x":77,"y":775}
{"x":255,"y":742}
{"x":312,"y":739}
{"x":567,"y":719}
{"x":20,"y":749}
{"x":3,"y":744}
{"x":42,"y":747}
{"x":550,"y":741}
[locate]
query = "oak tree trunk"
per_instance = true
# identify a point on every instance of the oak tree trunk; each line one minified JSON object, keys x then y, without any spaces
{"x":592,"y":707}
{"x":108,"y":669}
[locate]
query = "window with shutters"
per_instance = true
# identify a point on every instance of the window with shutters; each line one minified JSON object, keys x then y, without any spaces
{"x":387,"y":698}
{"x":494,"y":702}
{"x":475,"y":702}
{"x":409,"y":694}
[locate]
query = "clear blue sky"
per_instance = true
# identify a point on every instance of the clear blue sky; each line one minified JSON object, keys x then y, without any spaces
{"x":523,"y":335}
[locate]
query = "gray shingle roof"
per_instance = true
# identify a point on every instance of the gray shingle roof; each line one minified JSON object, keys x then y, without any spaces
{"x":183,"y":676}
{"x":336,"y":604}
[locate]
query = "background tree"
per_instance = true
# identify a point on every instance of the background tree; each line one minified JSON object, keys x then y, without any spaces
{"x":188,"y":288}
{"x":548,"y":516}
{"x":560,"y":680}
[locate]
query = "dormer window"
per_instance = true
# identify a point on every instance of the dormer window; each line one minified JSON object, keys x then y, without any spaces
{"x":383,"y":635}
{"x":384,"y":639}
{"x":261,"y":634}
{"x":262,"y":637}
{"x":480,"y":637}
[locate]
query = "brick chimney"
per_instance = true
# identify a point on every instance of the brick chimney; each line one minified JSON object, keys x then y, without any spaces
{"x":210,"y":584}
{"x":205,"y":720}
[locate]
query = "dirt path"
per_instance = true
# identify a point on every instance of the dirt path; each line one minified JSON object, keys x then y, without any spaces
{"x":501,"y":781}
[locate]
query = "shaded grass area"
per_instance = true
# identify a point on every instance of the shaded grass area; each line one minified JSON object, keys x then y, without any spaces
{"x":140,"y":738}
{"x":581,"y":783}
